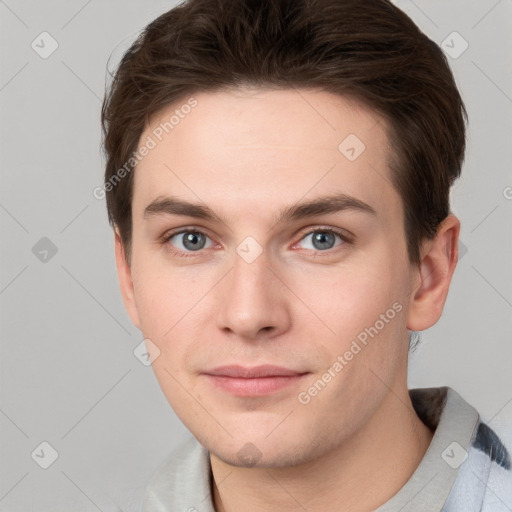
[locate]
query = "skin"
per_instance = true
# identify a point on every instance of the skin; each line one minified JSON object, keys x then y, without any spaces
{"x":247,"y":154}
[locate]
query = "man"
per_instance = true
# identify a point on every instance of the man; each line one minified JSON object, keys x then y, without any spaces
{"x":278,"y":179}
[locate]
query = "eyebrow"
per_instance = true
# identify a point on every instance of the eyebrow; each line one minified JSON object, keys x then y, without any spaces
{"x":319,"y":206}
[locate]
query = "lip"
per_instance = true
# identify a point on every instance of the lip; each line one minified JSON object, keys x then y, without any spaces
{"x":253,"y":381}
{"x":244,"y":372}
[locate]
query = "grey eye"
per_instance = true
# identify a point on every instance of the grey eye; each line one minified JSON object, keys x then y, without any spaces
{"x":189,"y":241}
{"x":322,"y":239}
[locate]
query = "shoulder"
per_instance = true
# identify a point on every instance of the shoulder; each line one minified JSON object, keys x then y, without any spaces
{"x":484,"y":479}
{"x":182,"y":482}
{"x":498,"y":488}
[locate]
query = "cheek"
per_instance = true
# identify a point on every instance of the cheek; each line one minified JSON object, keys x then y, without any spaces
{"x":364,"y":307}
{"x":169,"y":300}
{"x":346,"y":300}
{"x":152,"y":290}
{"x":168,"y":309}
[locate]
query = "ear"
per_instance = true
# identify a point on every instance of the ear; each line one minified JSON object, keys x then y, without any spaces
{"x":125,"y":280}
{"x":434,"y":274}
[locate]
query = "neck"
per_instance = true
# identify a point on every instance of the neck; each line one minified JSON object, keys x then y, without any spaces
{"x":362,"y":473}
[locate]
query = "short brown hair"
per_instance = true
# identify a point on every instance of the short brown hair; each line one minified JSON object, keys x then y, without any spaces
{"x":370,"y":50}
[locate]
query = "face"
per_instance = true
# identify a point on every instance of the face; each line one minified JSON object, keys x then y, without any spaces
{"x":269,"y":270}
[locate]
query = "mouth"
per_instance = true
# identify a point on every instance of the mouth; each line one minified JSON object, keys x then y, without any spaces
{"x":255,"y":381}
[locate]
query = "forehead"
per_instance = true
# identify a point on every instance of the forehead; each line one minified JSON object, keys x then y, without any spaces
{"x":244,"y":148}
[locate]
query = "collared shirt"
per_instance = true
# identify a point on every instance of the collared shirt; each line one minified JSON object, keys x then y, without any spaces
{"x":465,"y":469}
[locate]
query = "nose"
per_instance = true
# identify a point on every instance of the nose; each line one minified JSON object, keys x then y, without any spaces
{"x":253,"y":301}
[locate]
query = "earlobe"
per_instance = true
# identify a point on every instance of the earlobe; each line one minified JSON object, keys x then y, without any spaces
{"x":125,"y":280}
{"x":435,"y":271}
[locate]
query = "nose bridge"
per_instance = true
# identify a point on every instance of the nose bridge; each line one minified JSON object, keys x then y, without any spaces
{"x":250,"y":260}
{"x":248,"y":277}
{"x":250,"y":282}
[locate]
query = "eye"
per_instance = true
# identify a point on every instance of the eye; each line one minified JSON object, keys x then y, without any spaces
{"x":189,"y":240}
{"x":323,"y":239}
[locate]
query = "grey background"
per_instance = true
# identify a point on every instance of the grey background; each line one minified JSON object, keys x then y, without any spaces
{"x":69,"y":375}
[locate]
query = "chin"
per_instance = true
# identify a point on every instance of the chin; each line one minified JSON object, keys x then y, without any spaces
{"x":250,"y":456}
{"x":261,"y":452}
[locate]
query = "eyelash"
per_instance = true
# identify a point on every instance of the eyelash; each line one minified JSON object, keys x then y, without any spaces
{"x":190,"y":254}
